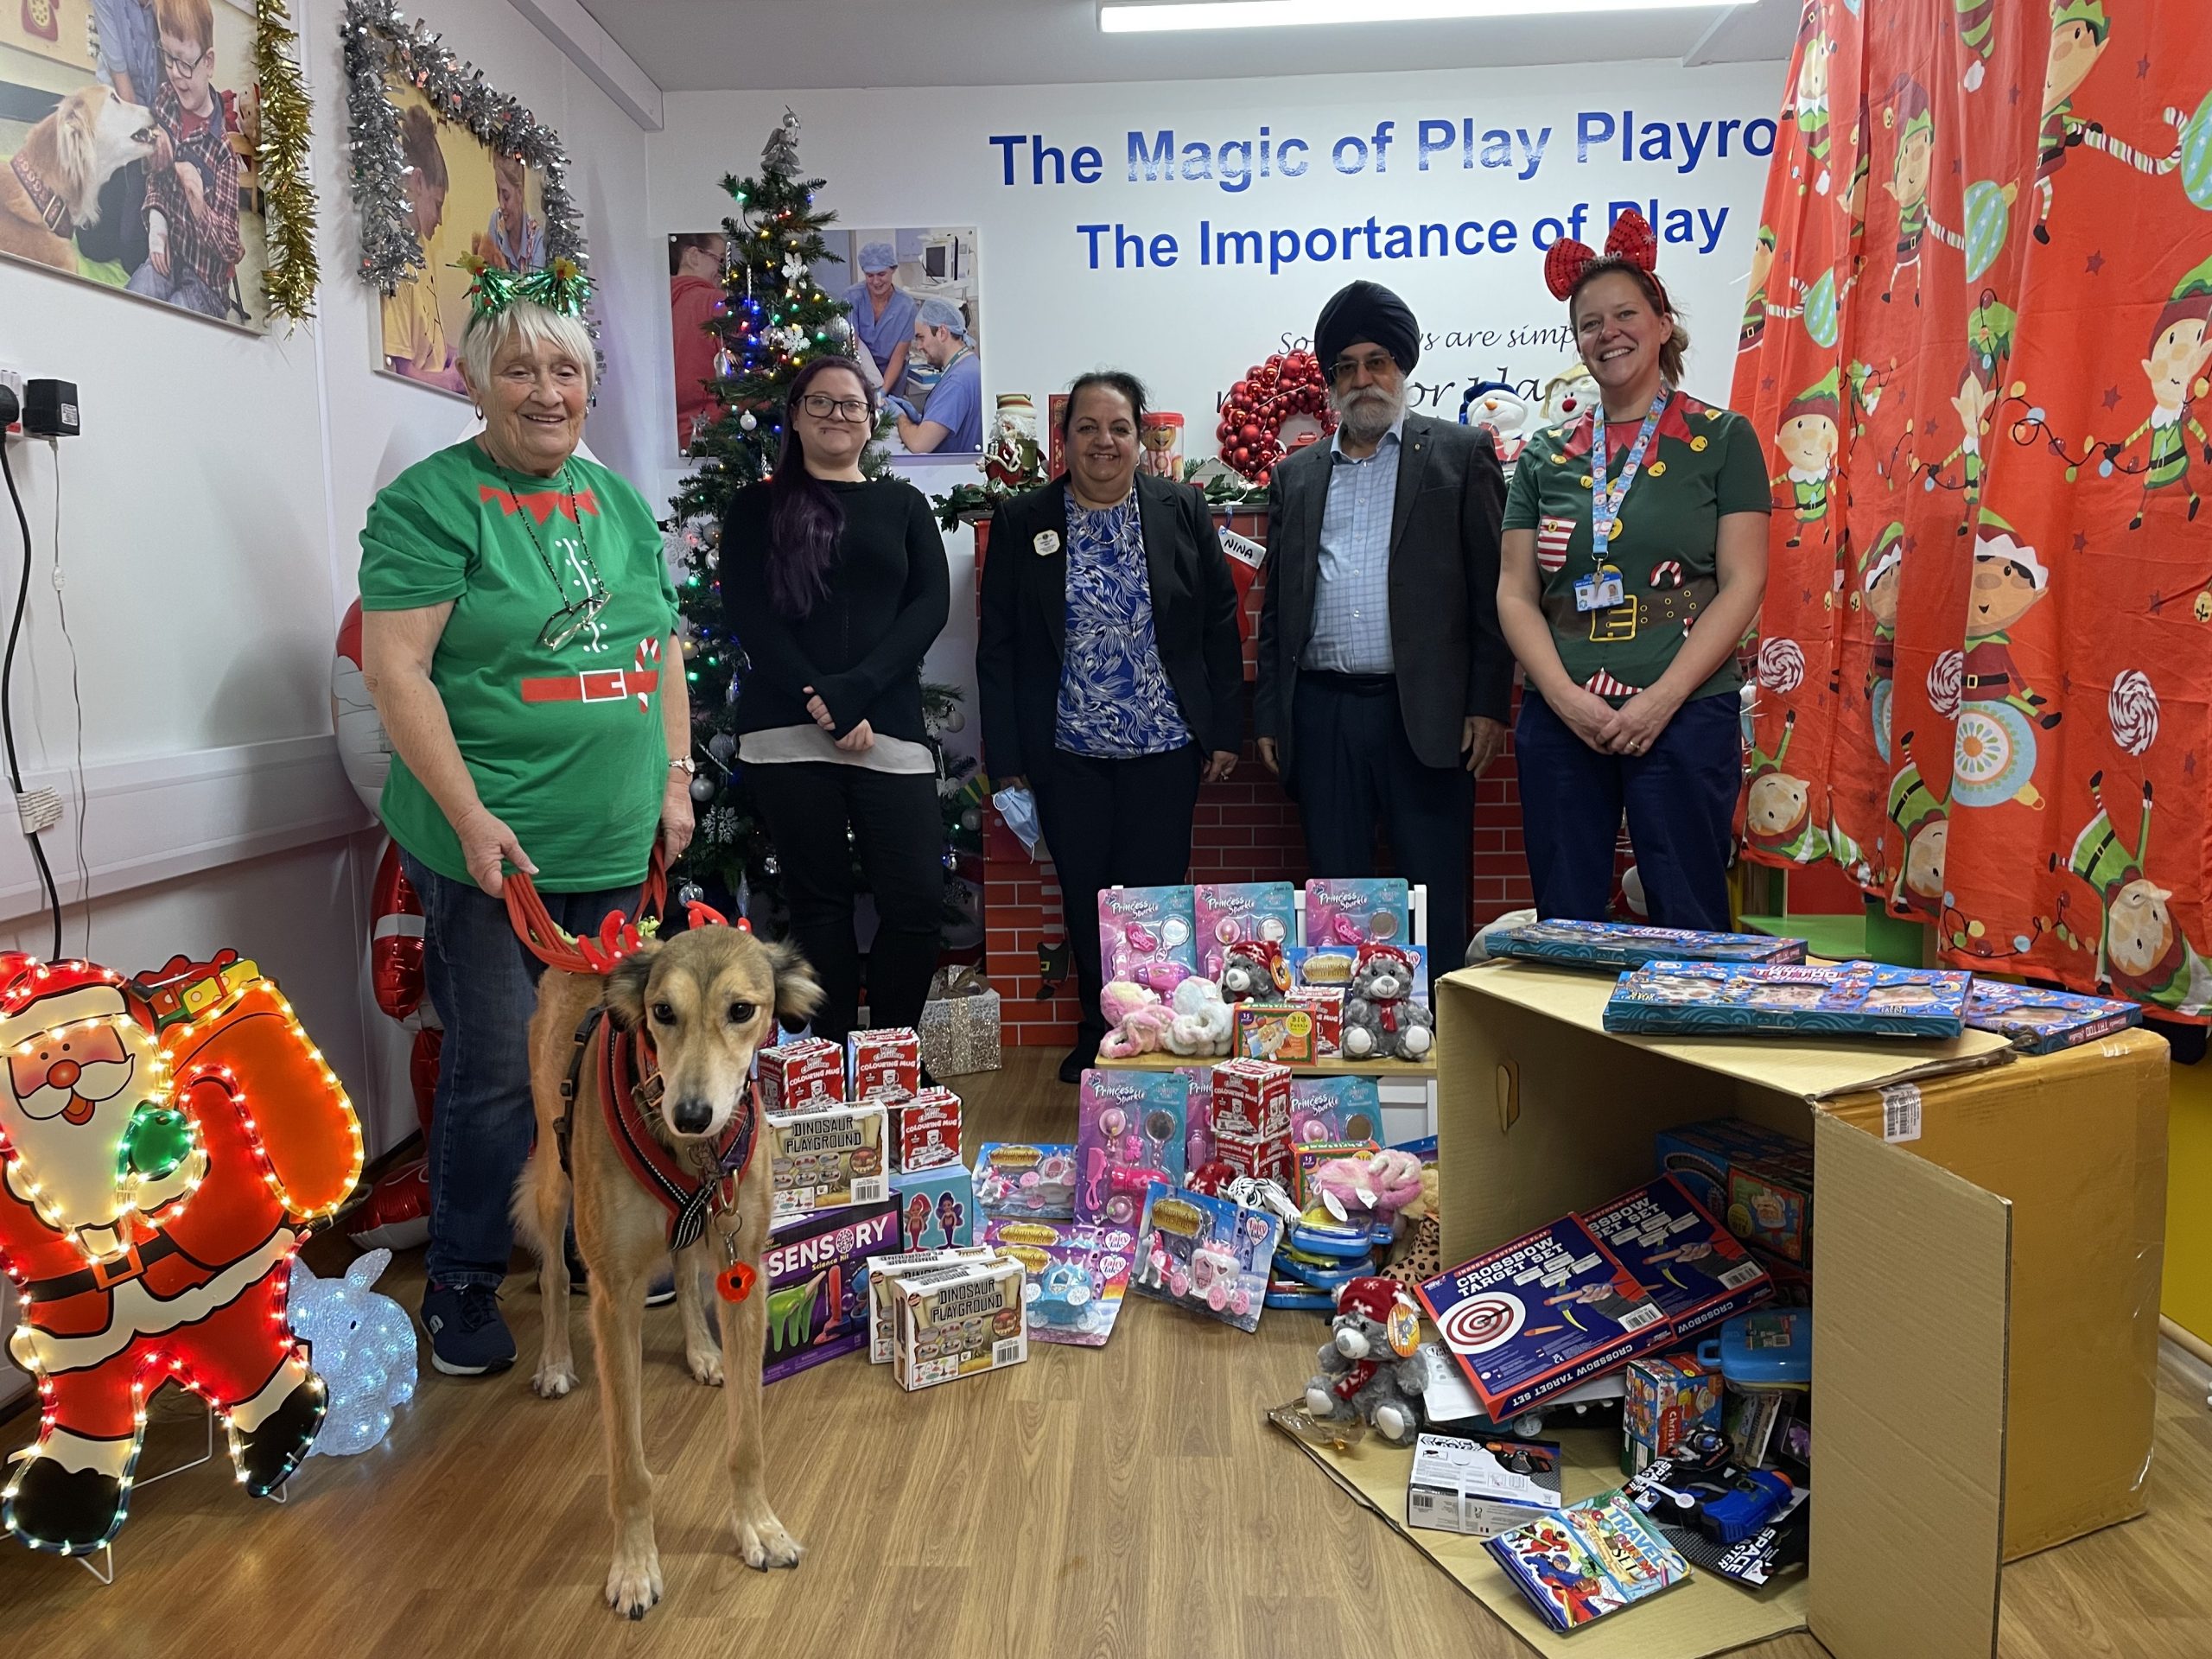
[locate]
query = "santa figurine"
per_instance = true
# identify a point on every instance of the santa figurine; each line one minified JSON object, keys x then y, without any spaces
{"x":161,"y":1143}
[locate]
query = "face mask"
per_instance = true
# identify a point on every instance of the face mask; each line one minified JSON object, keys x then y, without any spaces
{"x":1019,"y":808}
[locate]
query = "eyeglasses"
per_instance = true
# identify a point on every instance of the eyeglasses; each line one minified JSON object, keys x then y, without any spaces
{"x":183,"y":65}
{"x":572,"y":619}
{"x":822,"y":406}
{"x":1375,"y":363}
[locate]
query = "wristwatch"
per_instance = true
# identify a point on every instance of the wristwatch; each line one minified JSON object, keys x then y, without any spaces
{"x":685,"y":764}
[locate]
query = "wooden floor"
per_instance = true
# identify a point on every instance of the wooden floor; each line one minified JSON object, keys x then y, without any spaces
{"x":1128,"y":1501}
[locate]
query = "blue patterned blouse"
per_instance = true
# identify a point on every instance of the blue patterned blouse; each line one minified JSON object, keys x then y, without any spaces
{"x":1114,"y":698}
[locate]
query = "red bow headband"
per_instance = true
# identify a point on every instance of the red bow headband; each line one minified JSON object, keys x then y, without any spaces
{"x":1631,"y":240}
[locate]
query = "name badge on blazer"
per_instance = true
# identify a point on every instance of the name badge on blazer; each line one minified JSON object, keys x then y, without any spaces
{"x":1047,"y":542}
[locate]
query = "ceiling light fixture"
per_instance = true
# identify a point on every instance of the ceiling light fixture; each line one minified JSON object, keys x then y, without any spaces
{"x":1140,"y":16}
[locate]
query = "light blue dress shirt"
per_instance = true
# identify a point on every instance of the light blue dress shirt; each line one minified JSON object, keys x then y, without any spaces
{"x":1351,"y":602}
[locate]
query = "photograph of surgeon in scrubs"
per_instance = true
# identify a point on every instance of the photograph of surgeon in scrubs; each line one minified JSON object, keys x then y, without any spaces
{"x":883,"y":312}
{"x":951,"y":422}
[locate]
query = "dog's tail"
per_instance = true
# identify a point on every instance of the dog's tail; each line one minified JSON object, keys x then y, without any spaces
{"x":540,"y":1207}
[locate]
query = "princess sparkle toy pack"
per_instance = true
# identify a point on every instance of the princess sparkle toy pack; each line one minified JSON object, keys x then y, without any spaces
{"x":1358,"y":910}
{"x":1209,"y":1254}
{"x":1621,"y":944}
{"x":1127,"y":1120}
{"x":1241,"y":912}
{"x":1147,"y":934}
{"x":1076,"y":1277}
{"x":1696,"y":999}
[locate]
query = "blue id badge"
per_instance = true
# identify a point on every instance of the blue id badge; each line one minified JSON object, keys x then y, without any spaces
{"x":1599,"y":591}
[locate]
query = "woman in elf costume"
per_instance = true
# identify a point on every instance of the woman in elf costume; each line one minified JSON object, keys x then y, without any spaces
{"x":1626,"y":622}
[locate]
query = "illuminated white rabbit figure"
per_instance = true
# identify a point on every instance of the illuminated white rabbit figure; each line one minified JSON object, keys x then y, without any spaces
{"x":363,"y":1347}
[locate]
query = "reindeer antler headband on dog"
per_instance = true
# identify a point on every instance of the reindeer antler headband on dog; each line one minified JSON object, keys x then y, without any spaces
{"x":1632,"y":241}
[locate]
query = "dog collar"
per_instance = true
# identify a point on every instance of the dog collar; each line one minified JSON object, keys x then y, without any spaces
{"x":51,"y":207}
{"x":690,"y":1193}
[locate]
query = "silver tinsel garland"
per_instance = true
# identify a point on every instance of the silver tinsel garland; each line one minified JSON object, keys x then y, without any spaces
{"x":379,"y":40}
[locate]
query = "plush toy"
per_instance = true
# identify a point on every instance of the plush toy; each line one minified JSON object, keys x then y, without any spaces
{"x":363,"y":1347}
{"x":1203,"y":1021}
{"x":1418,"y":1256}
{"x":1254,"y":969}
{"x":1367,"y":1190}
{"x":1495,"y":404}
{"x":1369,"y":1368}
{"x":1478,"y":947}
{"x":1140,"y":1020}
{"x":1568,"y":395}
{"x":1381,"y":1021}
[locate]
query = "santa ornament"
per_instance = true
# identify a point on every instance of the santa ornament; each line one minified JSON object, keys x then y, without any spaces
{"x":163,"y":1142}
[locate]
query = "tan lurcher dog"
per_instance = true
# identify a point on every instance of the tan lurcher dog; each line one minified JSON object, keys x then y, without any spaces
{"x":708,"y":998}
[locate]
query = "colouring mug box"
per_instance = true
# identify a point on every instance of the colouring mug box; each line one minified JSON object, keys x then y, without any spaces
{"x":802,"y":1076}
{"x":964,"y":1325}
{"x":925,"y":1130}
{"x":828,"y":1159}
{"x":887,"y":1060}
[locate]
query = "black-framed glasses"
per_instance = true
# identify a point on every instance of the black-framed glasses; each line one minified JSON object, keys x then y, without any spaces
{"x":183,"y":65}
{"x":1374,"y":362}
{"x":572,"y":619}
{"x":822,"y":406}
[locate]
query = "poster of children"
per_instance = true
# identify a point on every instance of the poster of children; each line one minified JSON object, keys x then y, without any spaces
{"x":128,"y":128}
{"x":468,"y":201}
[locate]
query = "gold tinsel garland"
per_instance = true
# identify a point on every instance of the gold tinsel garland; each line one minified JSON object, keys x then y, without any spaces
{"x":292,"y":275}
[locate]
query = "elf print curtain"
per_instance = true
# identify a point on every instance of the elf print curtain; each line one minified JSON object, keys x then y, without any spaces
{"x":1977,"y":340}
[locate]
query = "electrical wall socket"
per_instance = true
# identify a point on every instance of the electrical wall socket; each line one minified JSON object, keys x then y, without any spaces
{"x":13,"y":380}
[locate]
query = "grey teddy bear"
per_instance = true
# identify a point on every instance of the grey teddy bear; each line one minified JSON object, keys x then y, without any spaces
{"x":1362,"y":1374}
{"x":1381,"y":1020}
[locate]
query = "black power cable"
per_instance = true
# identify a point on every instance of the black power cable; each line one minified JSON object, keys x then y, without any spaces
{"x":7,"y":680}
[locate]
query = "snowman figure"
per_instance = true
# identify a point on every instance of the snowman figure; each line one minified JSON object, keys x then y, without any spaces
{"x":1496,"y":405}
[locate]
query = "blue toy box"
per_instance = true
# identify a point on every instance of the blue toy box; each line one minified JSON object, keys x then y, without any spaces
{"x":936,"y":1207}
{"x":2043,"y":1022}
{"x":1621,"y":944}
{"x":1855,"y":998}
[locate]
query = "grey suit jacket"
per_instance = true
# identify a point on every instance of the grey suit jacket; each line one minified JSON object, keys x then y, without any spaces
{"x":1451,"y":658}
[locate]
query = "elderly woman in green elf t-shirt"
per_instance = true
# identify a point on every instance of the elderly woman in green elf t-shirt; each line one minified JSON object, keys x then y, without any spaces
{"x":519,"y":640}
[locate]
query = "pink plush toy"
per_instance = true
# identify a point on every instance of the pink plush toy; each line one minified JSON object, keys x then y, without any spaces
{"x":1140,"y":1020}
{"x":1366,"y":1190}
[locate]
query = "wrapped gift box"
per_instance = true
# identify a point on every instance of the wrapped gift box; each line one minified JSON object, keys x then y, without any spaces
{"x":960,"y":1025}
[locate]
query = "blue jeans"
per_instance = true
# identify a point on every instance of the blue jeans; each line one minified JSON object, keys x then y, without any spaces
{"x":180,"y":288}
{"x":484,"y":985}
{"x":1681,"y":808}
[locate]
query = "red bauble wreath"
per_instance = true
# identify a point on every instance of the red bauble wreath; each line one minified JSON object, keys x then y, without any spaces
{"x":1270,"y":394}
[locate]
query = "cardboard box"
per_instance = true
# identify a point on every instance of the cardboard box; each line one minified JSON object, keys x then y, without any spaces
{"x":962,"y":1322}
{"x":816,"y":1272}
{"x":925,"y":1130}
{"x":936,"y":1207}
{"x":887,"y":1272}
{"x":1251,"y":1099}
{"x":1668,"y":1396}
{"x":1481,"y":1488}
{"x":828,"y":1159}
{"x":885,"y":1062}
{"x":799,"y":1077}
{"x":1276,"y":1031}
{"x":1994,"y":1220}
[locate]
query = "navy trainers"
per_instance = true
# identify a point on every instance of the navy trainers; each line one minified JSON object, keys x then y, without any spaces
{"x":468,"y":1336}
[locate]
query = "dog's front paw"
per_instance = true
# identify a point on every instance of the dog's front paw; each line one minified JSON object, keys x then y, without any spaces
{"x":633,"y":1584}
{"x":553,"y":1379}
{"x":705,"y":1365}
{"x":763,"y":1543}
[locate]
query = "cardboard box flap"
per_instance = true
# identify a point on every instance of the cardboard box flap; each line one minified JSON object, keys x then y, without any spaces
{"x":1909,"y":1340}
{"x":1809,"y":1067}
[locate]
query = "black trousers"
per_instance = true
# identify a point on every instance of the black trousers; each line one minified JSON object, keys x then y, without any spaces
{"x":1112,"y":823}
{"x":898,"y":833}
{"x":1356,"y":769}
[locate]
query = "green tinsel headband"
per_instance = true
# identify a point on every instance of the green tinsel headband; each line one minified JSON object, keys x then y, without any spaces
{"x":559,"y":286}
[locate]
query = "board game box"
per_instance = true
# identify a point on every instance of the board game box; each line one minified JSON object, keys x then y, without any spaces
{"x":2043,"y":1022}
{"x":1577,"y":1565}
{"x":1694,"y":1266}
{"x":1542,"y":1315}
{"x":1699,"y":999}
{"x":1621,"y":944}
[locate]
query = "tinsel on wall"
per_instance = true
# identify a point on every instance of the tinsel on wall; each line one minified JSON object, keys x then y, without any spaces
{"x":379,"y":40}
{"x":280,"y":154}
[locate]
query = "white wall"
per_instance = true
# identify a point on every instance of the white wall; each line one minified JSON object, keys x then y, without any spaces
{"x":209,"y":521}
{"x":925,"y":157}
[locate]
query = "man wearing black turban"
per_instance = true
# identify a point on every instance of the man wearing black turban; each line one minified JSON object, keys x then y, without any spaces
{"x":1383,"y":679}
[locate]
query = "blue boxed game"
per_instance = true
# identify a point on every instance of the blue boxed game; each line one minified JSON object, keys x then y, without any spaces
{"x":1701,"y":999}
{"x":1591,"y":1559}
{"x":936,"y":1207}
{"x":1693,"y":1266}
{"x":1621,"y":944}
{"x":1542,"y":1315}
{"x":1207,"y":1254}
{"x":2043,"y":1022}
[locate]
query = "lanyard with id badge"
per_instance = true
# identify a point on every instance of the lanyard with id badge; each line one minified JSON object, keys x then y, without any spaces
{"x":1603,"y":588}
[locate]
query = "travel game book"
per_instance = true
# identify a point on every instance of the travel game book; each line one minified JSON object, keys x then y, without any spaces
{"x":1542,"y":1315}
{"x":1694,"y":1266}
{"x":1622,"y":945}
{"x":2043,"y":1022}
{"x":1576,"y":1564}
{"x":1708,"y":999}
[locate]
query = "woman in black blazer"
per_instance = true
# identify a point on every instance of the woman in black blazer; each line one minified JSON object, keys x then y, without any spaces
{"x":1109,"y":668}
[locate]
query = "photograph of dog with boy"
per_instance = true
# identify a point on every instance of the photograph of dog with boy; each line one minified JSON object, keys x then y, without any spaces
{"x":468,"y":202}
{"x":129,"y":131}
